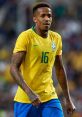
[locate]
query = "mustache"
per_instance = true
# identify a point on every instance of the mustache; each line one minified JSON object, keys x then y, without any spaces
{"x":46,"y":23}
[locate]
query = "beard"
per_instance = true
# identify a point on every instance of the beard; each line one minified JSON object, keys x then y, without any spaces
{"x":46,"y":28}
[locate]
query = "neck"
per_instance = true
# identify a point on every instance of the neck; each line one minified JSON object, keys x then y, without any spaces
{"x":42,"y":33}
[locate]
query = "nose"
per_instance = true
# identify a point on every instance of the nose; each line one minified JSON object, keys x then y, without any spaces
{"x":47,"y":18}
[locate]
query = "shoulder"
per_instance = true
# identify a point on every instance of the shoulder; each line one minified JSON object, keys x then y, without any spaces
{"x":26,"y":32}
{"x":55,"y":34}
{"x":25,"y":35}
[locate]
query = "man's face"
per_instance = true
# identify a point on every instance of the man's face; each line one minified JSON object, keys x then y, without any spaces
{"x":43,"y":18}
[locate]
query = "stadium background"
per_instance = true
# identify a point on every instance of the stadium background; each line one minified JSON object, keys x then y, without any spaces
{"x":16,"y":16}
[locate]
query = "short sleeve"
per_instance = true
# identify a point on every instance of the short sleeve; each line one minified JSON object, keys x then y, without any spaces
{"x":21,"y":43}
{"x":59,"y":50}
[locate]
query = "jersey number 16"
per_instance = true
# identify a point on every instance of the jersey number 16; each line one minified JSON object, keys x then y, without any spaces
{"x":44,"y":58}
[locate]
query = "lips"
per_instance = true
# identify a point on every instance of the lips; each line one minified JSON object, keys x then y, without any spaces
{"x":47,"y":24}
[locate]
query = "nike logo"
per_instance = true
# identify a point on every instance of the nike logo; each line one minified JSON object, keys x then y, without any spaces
{"x":35,"y":45}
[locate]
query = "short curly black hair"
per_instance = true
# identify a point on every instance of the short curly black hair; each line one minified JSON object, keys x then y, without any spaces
{"x":40,"y":4}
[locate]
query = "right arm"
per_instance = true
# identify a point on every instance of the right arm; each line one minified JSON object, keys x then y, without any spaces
{"x":16,"y":61}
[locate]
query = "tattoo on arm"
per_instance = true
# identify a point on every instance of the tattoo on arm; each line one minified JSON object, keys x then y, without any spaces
{"x":16,"y":61}
{"x":14,"y":69}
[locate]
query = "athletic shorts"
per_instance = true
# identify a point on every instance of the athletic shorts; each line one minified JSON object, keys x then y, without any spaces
{"x":50,"y":108}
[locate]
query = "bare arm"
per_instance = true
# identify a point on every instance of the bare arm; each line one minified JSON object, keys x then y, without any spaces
{"x":62,"y":79}
{"x":16,"y":61}
{"x":61,"y":76}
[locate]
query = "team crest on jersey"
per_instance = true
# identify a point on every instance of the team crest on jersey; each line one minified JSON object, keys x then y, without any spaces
{"x":53,"y":46}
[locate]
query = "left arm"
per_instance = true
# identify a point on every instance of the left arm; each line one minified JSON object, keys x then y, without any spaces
{"x":62,"y":79}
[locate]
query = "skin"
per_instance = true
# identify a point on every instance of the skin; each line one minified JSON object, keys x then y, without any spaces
{"x":16,"y":61}
{"x":62,"y":79}
{"x":43,"y":19}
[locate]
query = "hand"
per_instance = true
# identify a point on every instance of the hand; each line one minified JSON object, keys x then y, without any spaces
{"x":36,"y":102}
{"x":70,"y":106}
{"x":34,"y":98}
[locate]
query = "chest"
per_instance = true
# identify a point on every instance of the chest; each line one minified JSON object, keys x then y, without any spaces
{"x":43,"y":45}
{"x":42,"y":50}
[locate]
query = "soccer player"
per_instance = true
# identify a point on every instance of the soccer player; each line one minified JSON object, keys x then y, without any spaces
{"x":36,"y":51}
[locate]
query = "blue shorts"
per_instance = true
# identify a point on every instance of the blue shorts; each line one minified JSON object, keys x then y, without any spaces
{"x":50,"y":108}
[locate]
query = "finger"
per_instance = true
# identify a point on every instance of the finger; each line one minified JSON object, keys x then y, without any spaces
{"x":36,"y":102}
{"x":74,"y":109}
{"x":70,"y":111}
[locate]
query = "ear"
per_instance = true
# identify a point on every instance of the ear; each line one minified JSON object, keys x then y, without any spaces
{"x":34,"y":19}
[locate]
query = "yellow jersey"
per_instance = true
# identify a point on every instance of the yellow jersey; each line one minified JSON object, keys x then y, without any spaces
{"x":36,"y":68}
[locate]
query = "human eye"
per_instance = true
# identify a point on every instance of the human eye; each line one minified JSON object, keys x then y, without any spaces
{"x":49,"y":15}
{"x":42,"y":15}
